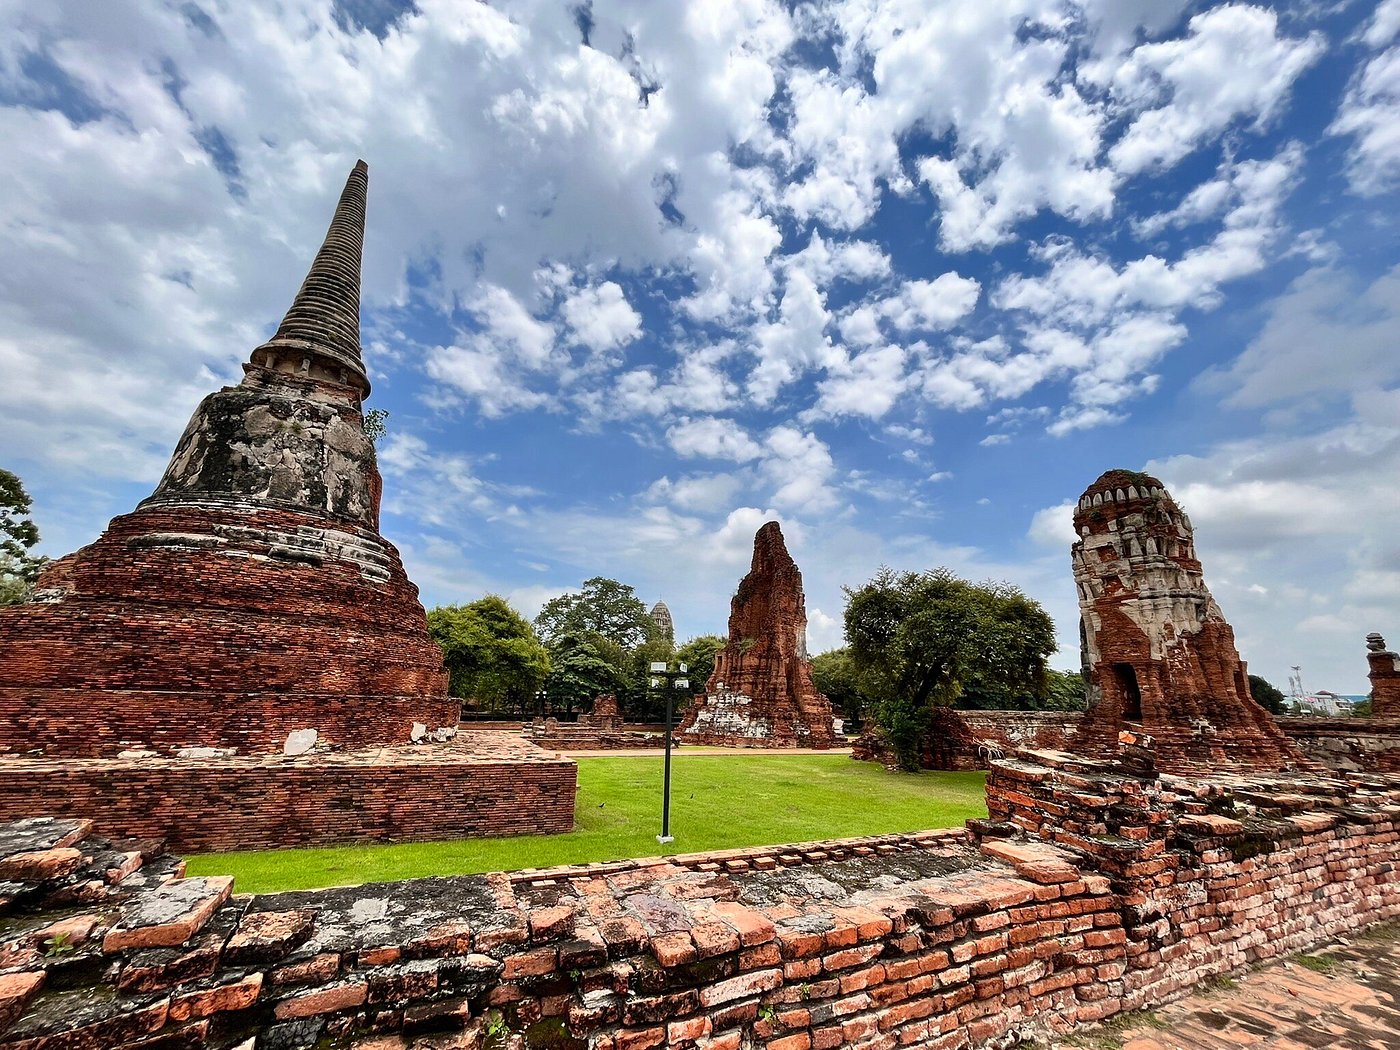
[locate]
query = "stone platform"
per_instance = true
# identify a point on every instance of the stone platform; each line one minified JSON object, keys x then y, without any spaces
{"x":480,"y":784}
{"x":1095,"y":893}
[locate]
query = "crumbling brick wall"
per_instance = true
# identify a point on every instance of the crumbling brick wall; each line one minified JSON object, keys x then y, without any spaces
{"x":1090,"y":892}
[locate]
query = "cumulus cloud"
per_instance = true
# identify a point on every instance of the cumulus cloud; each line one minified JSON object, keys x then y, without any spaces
{"x":1233,"y":64}
{"x":1370,"y":112}
{"x":601,"y":318}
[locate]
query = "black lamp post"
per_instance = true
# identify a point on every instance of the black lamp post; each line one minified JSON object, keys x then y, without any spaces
{"x":662,"y":677}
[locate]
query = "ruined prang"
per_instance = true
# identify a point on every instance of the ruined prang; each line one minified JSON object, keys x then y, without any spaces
{"x":1385,"y":678}
{"x":761,"y":693}
{"x":1161,"y":657}
{"x":251,"y":594}
{"x":661,"y":616}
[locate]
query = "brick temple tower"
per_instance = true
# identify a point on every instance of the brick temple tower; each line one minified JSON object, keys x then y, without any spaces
{"x":251,"y":594}
{"x":1160,"y":655}
{"x":760,"y":693}
{"x":1385,"y":678}
{"x":661,"y":616}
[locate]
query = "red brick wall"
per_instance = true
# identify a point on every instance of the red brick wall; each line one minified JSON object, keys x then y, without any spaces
{"x":972,"y":739}
{"x":405,"y":794}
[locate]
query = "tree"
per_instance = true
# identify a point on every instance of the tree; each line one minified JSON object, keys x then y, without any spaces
{"x":18,"y":533}
{"x":584,"y":667}
{"x":1065,"y":691}
{"x":604,"y":607}
{"x":916,"y":638}
{"x":835,"y":676}
{"x":491,"y":653}
{"x":1266,"y":694}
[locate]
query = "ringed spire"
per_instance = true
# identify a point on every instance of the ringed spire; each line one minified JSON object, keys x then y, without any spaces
{"x":320,"y":334}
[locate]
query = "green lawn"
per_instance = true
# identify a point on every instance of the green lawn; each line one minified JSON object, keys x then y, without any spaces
{"x":716,"y":802}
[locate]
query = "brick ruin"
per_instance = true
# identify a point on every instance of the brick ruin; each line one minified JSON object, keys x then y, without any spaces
{"x":601,"y":729}
{"x":1093,"y":888}
{"x":249,"y":606}
{"x":760,"y":693}
{"x":1385,"y":678}
{"x":1159,"y":654}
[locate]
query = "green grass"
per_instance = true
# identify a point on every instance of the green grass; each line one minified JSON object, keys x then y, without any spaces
{"x":717,"y":802}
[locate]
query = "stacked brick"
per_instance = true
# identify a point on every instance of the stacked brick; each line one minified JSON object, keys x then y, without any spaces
{"x":974,"y":739}
{"x":1385,"y":678}
{"x":1092,"y":890}
{"x":760,"y":693}
{"x":1159,"y":653}
{"x":481,"y":784}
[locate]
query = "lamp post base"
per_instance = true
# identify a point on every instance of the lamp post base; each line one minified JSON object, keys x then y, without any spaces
{"x":663,"y":839}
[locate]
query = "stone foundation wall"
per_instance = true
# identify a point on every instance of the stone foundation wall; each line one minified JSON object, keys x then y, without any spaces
{"x":1347,"y":744}
{"x":217,"y":616}
{"x":62,"y":721}
{"x":1090,"y":893}
{"x":425,"y":793}
{"x":973,"y":739}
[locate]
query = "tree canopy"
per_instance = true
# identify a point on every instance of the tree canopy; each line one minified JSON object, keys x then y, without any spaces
{"x":604,"y":607}
{"x":583,"y":667}
{"x":491,"y":653}
{"x":1266,"y":694}
{"x":835,"y":675}
{"x":920,"y":638}
{"x":18,"y":533}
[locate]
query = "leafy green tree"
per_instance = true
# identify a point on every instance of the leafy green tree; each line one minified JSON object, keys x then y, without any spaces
{"x":18,"y":533}
{"x":584,"y":666}
{"x":1065,"y":691}
{"x":1266,"y":694}
{"x":835,"y":676}
{"x":604,"y":607}
{"x":491,"y":653}
{"x":917,"y":638}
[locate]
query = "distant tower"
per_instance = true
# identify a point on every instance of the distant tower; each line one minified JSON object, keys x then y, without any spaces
{"x":662,"y":616}
{"x":1385,"y":678}
{"x":1160,"y":654}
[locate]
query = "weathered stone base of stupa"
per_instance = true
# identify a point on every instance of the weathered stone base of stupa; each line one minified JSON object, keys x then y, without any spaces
{"x":730,"y":719}
{"x":478,"y":784}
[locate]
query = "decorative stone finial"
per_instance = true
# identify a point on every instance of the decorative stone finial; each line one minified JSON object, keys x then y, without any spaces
{"x":1375,"y":642}
{"x":322,"y":327}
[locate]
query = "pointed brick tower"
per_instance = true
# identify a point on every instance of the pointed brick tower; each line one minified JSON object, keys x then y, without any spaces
{"x":1160,"y":655}
{"x":761,"y":693}
{"x":251,"y":594}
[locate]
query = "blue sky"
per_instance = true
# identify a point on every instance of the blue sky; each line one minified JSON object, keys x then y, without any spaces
{"x":639,"y":276}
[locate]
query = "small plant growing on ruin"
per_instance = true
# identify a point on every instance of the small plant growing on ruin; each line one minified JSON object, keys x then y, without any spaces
{"x":1316,"y":963}
{"x":376,"y":420}
{"x":58,"y":945}
{"x":769,"y":1013}
{"x":804,"y":992}
{"x":496,"y":1029}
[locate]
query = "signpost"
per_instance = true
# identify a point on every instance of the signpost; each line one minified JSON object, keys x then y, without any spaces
{"x":662,"y":677}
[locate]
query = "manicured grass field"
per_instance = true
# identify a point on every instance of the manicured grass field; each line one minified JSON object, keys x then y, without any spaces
{"x":717,"y":802}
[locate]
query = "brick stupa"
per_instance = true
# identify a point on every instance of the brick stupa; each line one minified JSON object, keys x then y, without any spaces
{"x":761,"y":693}
{"x":1385,"y":678}
{"x":1160,"y":655}
{"x":251,"y":594}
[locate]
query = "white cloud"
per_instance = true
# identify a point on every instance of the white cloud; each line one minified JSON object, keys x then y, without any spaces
{"x":1233,"y":64}
{"x":868,"y":384}
{"x":712,"y":437}
{"x":601,"y":318}
{"x":929,"y":305}
{"x":1324,"y":308}
{"x":1370,"y":114}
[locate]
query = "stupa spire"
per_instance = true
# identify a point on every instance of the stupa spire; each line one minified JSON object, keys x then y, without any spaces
{"x":320,"y":334}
